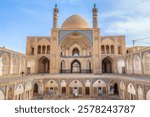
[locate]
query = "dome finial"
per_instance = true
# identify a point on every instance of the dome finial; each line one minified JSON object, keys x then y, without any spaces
{"x":55,"y":5}
{"x":94,"y":5}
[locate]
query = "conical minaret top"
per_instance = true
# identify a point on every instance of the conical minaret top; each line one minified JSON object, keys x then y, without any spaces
{"x":95,"y":17}
{"x":55,"y":16}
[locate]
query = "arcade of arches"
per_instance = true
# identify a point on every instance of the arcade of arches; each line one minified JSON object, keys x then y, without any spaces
{"x":102,"y":88}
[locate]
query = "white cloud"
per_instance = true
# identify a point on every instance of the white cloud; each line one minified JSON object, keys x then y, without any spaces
{"x":133,"y":19}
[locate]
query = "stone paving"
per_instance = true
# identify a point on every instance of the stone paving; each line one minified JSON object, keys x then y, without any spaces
{"x":41,"y":97}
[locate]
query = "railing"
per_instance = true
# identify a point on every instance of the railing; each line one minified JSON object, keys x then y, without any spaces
{"x":76,"y":56}
{"x":70,"y":71}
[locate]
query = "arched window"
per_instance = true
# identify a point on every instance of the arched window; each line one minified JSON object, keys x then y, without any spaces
{"x":119,"y":49}
{"x":129,"y":66}
{"x":75,"y":52}
{"x":4,"y":64}
{"x":112,"y":49}
{"x":62,"y":66}
{"x":146,"y":63}
{"x":137,"y":64}
{"x":75,"y":66}
{"x":39,"y":49}
{"x":43,"y":65}
{"x":48,"y":49}
{"x":88,"y":66}
{"x":127,"y":51}
{"x":107,"y":65}
{"x":61,"y":54}
{"x":102,"y":49}
{"x":43,"y":49}
{"x":107,"y":49}
{"x":35,"y":89}
{"x":32,"y":51}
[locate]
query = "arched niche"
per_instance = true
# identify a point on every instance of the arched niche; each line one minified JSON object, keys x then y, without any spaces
{"x":2,"y":96}
{"x":75,"y":83}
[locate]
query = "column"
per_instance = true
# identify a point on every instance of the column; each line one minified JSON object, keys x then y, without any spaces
{"x":6,"y":95}
{"x":109,"y":49}
{"x":67,"y":90}
{"x":126,"y":93}
{"x":14,"y":91}
{"x":142,"y":67}
{"x":107,"y":90}
{"x":105,"y":49}
{"x":136,"y":88}
{"x":83,"y":89}
{"x":91,"y":89}
{"x":144,"y":92}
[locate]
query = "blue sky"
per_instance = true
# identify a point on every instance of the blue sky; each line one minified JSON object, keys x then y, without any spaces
{"x":22,"y":18}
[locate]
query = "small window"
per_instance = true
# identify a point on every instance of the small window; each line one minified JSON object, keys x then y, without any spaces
{"x":119,"y":49}
{"x":102,"y":49}
{"x":39,"y":49}
{"x":48,"y":49}
{"x":32,"y":51}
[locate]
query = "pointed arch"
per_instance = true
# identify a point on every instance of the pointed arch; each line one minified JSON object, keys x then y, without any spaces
{"x":148,"y":95}
{"x":87,"y":83}
{"x":75,"y":83}
{"x":63,"y":83}
{"x":28,"y":86}
{"x":137,"y":64}
{"x":15,"y":65}
{"x":30,"y":66}
{"x":107,"y":49}
{"x":88,"y":66}
{"x":112,"y":49}
{"x":102,"y":49}
{"x":122,"y":86}
{"x":120,"y":66}
{"x":107,"y":65}
{"x":37,"y":88}
{"x":75,"y":66}
{"x":99,"y":83}
{"x":119,"y":50}
{"x":63,"y":66}
{"x":39,"y":49}
{"x":75,"y":52}
{"x":19,"y":89}
{"x":146,"y":63}
{"x":131,"y":89}
{"x":23,"y":64}
{"x":4,"y":64}
{"x":129,"y":65}
{"x":2,"y":96}
{"x":43,"y":65}
{"x":122,"y":90}
{"x":51,"y":83}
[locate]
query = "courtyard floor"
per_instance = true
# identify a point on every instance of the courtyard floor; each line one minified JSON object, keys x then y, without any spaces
{"x":41,"y":97}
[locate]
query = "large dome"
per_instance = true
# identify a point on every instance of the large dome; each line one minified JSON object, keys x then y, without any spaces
{"x":75,"y":22}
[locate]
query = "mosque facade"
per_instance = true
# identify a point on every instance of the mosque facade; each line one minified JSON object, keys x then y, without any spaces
{"x":75,"y":61}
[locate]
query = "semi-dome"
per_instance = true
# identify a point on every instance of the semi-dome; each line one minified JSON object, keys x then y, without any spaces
{"x":75,"y":21}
